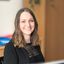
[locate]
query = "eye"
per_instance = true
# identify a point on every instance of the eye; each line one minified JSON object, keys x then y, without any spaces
{"x":31,"y":20}
{"x":22,"y":21}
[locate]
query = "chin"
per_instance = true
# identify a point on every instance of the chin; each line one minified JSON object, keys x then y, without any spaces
{"x":29,"y":33}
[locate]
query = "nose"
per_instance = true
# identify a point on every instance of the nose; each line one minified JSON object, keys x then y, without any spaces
{"x":28,"y":24}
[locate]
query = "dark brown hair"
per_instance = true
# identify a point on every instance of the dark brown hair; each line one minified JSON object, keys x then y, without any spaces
{"x":17,"y":37}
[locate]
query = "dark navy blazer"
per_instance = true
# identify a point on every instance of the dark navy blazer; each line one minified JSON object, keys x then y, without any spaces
{"x":14,"y":55}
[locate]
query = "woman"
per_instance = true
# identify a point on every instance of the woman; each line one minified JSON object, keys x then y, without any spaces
{"x":24,"y":45}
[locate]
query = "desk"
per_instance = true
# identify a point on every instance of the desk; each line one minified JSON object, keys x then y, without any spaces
{"x":55,"y":62}
{"x":2,"y":51}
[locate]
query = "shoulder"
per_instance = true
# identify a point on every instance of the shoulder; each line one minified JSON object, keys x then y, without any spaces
{"x":42,"y":59}
{"x":37,"y":47}
{"x":9,"y":47}
{"x":10,"y":56}
{"x":9,"y":51}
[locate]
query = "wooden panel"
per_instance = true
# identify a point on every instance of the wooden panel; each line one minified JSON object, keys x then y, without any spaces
{"x":2,"y":51}
{"x":39,"y":10}
{"x":54,"y":30}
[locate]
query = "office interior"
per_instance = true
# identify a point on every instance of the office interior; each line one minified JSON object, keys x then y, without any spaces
{"x":50,"y":16}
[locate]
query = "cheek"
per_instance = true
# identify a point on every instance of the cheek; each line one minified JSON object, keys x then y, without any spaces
{"x":33,"y":26}
{"x":21,"y":26}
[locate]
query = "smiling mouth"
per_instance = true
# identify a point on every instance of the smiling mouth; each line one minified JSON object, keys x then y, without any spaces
{"x":28,"y":29}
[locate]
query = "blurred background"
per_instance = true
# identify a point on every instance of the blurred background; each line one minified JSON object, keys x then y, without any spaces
{"x":50,"y":16}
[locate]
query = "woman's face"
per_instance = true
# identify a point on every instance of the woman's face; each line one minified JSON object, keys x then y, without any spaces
{"x":27,"y":23}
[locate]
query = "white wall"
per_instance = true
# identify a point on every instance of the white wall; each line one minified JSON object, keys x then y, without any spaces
{"x":8,"y":10}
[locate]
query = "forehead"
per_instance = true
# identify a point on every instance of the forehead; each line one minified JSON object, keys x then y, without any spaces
{"x":25,"y":14}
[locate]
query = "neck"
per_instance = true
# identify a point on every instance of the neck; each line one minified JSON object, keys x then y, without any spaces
{"x":27,"y":38}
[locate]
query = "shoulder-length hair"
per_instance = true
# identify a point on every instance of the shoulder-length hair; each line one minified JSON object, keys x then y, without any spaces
{"x":17,"y":37}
